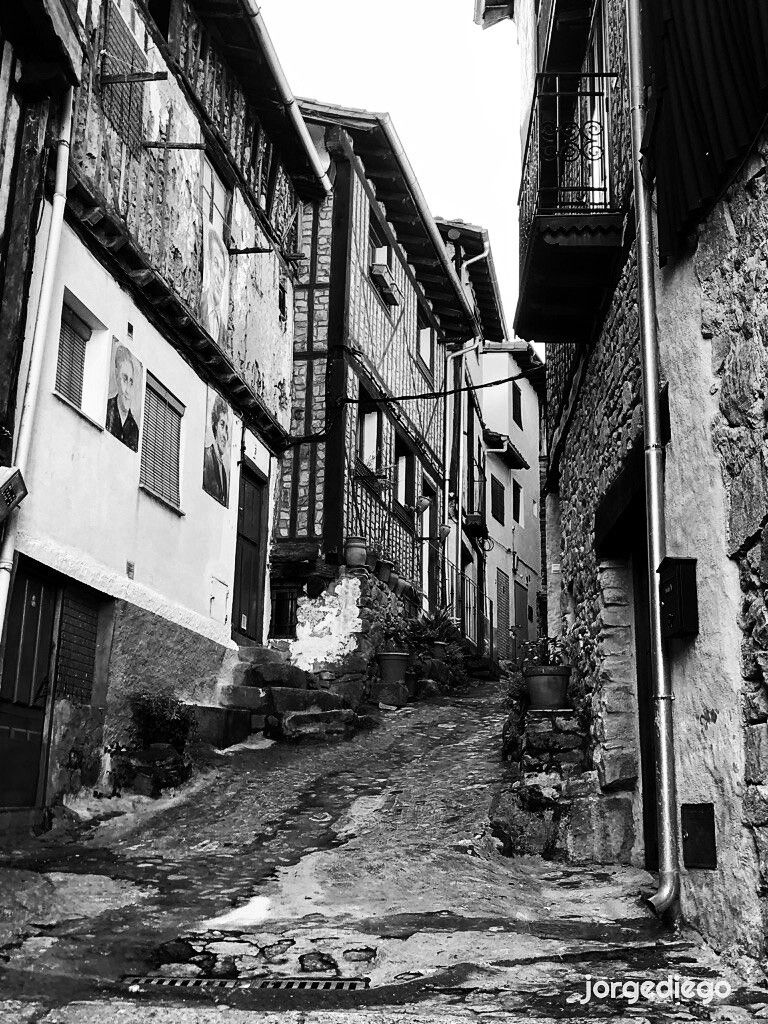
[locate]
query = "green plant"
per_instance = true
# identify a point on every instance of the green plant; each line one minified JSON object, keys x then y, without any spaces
{"x":545,"y":650}
{"x":393,"y":631}
{"x":158,"y":717}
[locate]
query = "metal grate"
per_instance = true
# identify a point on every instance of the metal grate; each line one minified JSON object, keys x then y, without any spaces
{"x":307,"y":984}
{"x":77,"y":647}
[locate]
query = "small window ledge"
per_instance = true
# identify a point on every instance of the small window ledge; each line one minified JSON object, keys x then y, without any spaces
{"x":162,"y":501}
{"x":76,"y":408}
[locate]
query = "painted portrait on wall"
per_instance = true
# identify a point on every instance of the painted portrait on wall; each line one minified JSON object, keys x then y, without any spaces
{"x":124,"y":395}
{"x":217,"y":455}
{"x":214,"y":295}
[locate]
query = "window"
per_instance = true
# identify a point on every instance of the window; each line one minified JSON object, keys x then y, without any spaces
{"x":368,"y":431}
{"x":160,"y":442}
{"x":70,"y":368}
{"x":160,"y":11}
{"x":380,"y":264}
{"x":517,"y":404}
{"x":379,"y":252}
{"x":426,"y":342}
{"x":215,"y":198}
{"x":497,"y":499}
{"x":517,"y":501}
{"x":282,"y":303}
{"x":123,"y":102}
{"x":404,"y":473}
{"x":284,"y":612}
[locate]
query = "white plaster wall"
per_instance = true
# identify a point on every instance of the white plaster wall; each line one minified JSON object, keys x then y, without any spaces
{"x":709,"y":736}
{"x":85,"y":514}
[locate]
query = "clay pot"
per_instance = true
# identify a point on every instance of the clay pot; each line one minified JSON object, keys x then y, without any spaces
{"x":372,"y":559}
{"x":440,"y":649}
{"x":399,"y":587}
{"x":393,"y":666}
{"x":355,"y":552}
{"x":547,"y":686}
{"x":384,"y":571}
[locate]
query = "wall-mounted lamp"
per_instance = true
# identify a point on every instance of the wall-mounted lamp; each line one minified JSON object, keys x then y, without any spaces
{"x":13,"y":490}
{"x":443,"y":531}
{"x":423,"y":504}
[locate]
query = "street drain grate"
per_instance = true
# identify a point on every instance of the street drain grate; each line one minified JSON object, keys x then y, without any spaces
{"x":313,"y":984}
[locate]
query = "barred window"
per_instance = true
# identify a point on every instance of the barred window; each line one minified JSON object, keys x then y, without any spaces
{"x":161,"y":441}
{"x":497,"y":500}
{"x":73,"y":337}
{"x":123,"y":102}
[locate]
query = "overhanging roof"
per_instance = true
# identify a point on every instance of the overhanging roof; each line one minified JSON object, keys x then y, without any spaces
{"x":491,"y":12}
{"x":386,"y":166}
{"x":231,"y":25}
{"x":500,"y":444}
{"x":482,"y":274}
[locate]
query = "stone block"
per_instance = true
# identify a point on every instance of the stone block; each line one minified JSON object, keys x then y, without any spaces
{"x":251,"y":697}
{"x":554,"y":741}
{"x":748,"y":501}
{"x":567,"y":723}
{"x":756,"y":705}
{"x":600,"y":830}
{"x":756,"y":766}
{"x":221,"y":726}
{"x":283,"y":700}
{"x":756,"y":806}
{"x":586,"y":784}
{"x":394,"y":694}
{"x":616,"y":765}
{"x":317,"y":725}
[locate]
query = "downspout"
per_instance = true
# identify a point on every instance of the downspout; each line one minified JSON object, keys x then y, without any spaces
{"x":668,"y":889}
{"x":289,"y":101}
{"x":39,"y":337}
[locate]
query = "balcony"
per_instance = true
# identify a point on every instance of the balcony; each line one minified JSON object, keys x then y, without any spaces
{"x":571,"y":216}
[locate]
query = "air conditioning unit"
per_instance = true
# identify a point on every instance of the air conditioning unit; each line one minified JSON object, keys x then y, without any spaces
{"x":382,"y":277}
{"x":13,"y":490}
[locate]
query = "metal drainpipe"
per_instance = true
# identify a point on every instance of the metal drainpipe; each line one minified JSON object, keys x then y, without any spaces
{"x":289,"y":100}
{"x":668,"y":889}
{"x":39,"y":336}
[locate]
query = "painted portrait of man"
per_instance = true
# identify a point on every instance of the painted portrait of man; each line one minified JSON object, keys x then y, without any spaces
{"x":214,"y":297}
{"x":123,"y":401}
{"x":216,"y":459}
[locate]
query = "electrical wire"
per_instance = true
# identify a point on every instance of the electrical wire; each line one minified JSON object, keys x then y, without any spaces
{"x":439,"y":394}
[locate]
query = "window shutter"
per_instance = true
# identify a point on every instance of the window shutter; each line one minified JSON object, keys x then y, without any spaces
{"x":123,"y":102}
{"x":517,"y":492}
{"x":517,"y":404}
{"x":497,"y":500}
{"x":161,"y":439}
{"x":70,"y":367}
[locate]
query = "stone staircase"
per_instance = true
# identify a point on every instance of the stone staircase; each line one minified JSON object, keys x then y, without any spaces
{"x":263,"y":691}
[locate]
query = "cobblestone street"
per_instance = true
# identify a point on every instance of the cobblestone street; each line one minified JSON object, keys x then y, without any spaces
{"x":369,"y":859}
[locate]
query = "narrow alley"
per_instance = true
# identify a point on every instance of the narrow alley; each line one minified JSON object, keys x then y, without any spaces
{"x":369,"y":860}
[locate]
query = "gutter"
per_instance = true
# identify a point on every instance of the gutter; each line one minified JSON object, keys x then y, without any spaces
{"x":39,"y":337}
{"x":668,"y":890}
{"x":429,"y":221}
{"x":289,"y":101}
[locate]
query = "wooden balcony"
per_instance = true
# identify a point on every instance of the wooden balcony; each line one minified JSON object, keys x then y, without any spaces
{"x":571,"y":220}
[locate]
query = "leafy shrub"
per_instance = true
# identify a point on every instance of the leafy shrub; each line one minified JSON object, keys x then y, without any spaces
{"x":158,"y":717}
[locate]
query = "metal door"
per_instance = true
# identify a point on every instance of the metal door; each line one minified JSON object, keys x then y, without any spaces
{"x":24,"y":686}
{"x":250,"y":557}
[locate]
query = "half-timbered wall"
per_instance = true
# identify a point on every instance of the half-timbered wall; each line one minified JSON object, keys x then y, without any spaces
{"x":157,"y":192}
{"x":382,"y":346}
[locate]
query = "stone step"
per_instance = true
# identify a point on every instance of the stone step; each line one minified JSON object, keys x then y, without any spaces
{"x":270,"y":674}
{"x":221,"y":726}
{"x":317,"y":726}
{"x":254,"y":654}
{"x":284,"y":700}
{"x":252,"y":698}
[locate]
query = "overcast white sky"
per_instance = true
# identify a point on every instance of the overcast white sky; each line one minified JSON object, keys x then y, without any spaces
{"x":450,"y":87}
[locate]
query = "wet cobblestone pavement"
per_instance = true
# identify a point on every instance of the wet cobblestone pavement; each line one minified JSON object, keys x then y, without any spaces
{"x":369,"y":859}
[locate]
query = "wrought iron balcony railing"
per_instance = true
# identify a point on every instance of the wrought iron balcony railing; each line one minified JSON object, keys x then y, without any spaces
{"x":567,"y":167}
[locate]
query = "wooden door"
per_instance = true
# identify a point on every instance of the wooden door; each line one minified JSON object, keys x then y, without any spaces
{"x":502,"y":614}
{"x":25,"y":684}
{"x":521,"y":611}
{"x":250,"y":557}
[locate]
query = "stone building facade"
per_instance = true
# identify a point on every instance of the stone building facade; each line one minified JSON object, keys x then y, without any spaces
{"x":710,"y":293}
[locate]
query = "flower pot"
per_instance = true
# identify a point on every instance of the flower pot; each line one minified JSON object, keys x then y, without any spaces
{"x":393,"y":666}
{"x":440,"y":649}
{"x":547,"y":686}
{"x":355,"y":552}
{"x":384,"y":571}
{"x":394,"y":579}
{"x":400,"y":587}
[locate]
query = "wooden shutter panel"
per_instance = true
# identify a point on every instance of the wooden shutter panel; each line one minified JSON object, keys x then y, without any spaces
{"x":70,"y":367}
{"x":497,"y":500}
{"x":123,"y":102}
{"x":161,"y":441}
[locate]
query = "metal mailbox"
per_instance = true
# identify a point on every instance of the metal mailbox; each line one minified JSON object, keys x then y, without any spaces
{"x":679,"y":599}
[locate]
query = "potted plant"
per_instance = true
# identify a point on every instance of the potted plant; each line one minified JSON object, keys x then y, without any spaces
{"x":355,"y":552}
{"x":547,"y":676}
{"x":372,"y":559}
{"x":394,"y":655}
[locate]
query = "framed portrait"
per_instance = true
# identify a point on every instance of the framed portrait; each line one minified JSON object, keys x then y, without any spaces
{"x":124,"y":391}
{"x":217,"y":454}
{"x":214,"y":294}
